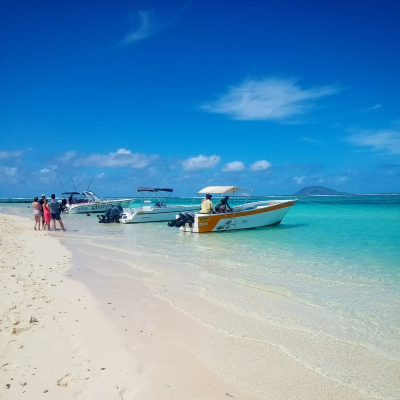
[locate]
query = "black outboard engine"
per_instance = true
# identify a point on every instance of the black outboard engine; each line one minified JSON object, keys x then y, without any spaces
{"x":112,"y":214}
{"x":182,"y":220}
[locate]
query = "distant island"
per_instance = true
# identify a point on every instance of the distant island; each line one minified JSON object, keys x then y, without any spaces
{"x":316,"y":190}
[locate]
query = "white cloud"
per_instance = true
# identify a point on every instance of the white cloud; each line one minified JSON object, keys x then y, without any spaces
{"x":268,"y":99}
{"x":8,"y":174}
{"x":121,"y":158}
{"x":69,"y":155}
{"x":200,"y":162}
{"x":299,"y":179}
{"x":48,"y":169}
{"x":145,"y":29}
{"x":148,"y":25}
{"x":261,"y":165}
{"x":381,"y":140}
{"x":10,"y":154}
{"x":233,"y":166}
{"x":341,"y":179}
{"x":11,"y":171}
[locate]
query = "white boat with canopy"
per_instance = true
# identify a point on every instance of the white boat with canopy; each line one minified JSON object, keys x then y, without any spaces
{"x":155,"y":207}
{"x":244,"y":216}
{"x":88,"y":202}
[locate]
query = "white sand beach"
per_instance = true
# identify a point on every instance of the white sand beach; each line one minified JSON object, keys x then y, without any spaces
{"x":68,"y":332}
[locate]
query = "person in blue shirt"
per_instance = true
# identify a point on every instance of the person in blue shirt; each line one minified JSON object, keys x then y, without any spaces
{"x":55,"y":212}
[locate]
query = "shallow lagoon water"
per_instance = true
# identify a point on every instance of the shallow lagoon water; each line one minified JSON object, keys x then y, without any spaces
{"x":323,"y":286}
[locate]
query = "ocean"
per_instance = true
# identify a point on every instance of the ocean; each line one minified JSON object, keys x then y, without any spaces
{"x":323,"y":286}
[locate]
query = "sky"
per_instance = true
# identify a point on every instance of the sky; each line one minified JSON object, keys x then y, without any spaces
{"x":271,"y":95}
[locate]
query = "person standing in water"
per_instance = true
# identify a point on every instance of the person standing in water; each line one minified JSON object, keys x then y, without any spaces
{"x":55,"y":212}
{"x":36,"y":212}
{"x":41,"y":202}
{"x":47,"y":214}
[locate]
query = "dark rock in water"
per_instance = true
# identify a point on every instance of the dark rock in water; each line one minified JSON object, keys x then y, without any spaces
{"x":316,"y":190}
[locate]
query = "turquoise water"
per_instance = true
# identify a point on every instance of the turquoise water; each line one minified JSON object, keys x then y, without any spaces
{"x":331,"y":269}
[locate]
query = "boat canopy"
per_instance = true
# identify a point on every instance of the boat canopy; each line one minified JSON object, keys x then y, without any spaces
{"x":221,"y":189}
{"x":146,"y":189}
{"x":62,"y":194}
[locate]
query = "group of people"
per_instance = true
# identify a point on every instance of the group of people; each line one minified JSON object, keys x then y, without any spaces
{"x":207,"y":206}
{"x":45,"y":211}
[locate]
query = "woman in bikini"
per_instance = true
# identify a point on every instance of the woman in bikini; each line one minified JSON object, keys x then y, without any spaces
{"x":37,"y":208}
{"x":47,"y":216}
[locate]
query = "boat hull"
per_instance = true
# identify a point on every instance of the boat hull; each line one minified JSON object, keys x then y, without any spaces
{"x":261,"y":214}
{"x":98,"y":207}
{"x":150,"y":214}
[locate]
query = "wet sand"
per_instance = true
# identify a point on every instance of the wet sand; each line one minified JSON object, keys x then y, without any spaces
{"x":68,"y":331}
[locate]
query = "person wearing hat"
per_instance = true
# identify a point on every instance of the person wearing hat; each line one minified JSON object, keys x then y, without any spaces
{"x":207,"y":206}
{"x":222,"y":205}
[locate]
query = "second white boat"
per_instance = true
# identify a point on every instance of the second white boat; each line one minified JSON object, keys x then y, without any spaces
{"x":159,"y":211}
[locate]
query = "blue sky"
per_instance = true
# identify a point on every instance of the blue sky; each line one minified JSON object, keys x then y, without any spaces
{"x":270,"y":95}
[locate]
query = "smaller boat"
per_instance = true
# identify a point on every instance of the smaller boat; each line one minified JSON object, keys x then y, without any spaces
{"x":244,"y":216}
{"x":158,"y":211}
{"x":88,"y":202}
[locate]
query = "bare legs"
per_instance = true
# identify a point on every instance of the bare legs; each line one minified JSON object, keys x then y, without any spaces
{"x":54,"y":224}
{"x":62,"y":225}
{"x":37,"y":221}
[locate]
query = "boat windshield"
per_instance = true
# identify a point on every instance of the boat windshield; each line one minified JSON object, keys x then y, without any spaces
{"x":91,"y":197}
{"x":75,"y":197}
{"x":154,"y":195}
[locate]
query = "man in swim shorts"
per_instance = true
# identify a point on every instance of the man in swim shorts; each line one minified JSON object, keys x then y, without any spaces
{"x":55,"y":212}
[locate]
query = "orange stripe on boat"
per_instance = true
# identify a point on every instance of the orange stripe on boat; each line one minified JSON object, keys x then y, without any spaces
{"x":213,"y":219}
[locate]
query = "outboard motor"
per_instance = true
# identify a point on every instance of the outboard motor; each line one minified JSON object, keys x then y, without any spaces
{"x":182,"y":220}
{"x":112,"y":214}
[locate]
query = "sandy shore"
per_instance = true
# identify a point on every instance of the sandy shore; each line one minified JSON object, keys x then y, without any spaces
{"x":67,"y":331}
{"x":56,"y":339}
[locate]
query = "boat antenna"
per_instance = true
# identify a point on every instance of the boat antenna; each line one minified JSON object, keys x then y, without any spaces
{"x":61,"y":184}
{"x":90,"y":183}
{"x":73,"y":184}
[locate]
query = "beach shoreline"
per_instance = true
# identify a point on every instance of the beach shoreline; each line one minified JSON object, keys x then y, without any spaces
{"x":104,"y":334}
{"x":57,"y":338}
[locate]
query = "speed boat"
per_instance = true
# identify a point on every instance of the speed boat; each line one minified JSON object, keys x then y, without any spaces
{"x":158,"y":211}
{"x":244,"y":216}
{"x":88,"y":202}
